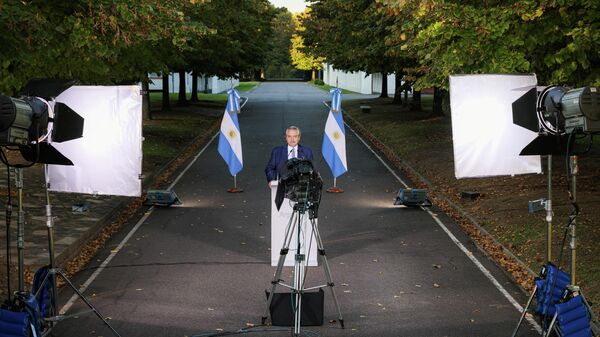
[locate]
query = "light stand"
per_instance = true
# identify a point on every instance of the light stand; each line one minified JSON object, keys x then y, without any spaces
{"x":549,"y":212}
{"x":54,"y":271}
{"x":573,"y":243}
{"x":297,"y":219}
{"x":20,"y":229}
{"x":573,"y":289}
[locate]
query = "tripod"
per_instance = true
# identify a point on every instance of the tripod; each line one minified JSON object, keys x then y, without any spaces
{"x":297,"y":219}
{"x":53,"y":272}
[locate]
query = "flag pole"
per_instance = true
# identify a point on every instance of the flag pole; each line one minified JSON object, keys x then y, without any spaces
{"x":234,"y":189}
{"x":334,"y":189}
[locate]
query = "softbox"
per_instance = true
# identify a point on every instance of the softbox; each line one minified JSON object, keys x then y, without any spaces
{"x":486,"y":140}
{"x":108,"y":158}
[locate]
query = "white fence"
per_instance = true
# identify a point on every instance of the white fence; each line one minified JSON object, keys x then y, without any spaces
{"x":211,"y":85}
{"x":357,"y":81}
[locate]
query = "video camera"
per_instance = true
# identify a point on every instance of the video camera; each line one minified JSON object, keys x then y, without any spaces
{"x":300,"y":183}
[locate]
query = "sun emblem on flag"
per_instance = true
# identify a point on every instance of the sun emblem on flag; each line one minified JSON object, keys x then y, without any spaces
{"x":336,"y":135}
{"x":232,"y":133}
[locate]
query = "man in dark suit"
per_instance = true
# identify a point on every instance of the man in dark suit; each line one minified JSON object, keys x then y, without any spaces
{"x":281,"y":154}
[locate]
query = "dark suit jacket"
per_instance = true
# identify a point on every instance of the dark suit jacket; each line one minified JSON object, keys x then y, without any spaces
{"x":279,"y":156}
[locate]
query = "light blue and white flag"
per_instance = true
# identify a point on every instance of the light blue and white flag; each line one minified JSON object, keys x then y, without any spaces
{"x":334,"y":141}
{"x":230,"y":141}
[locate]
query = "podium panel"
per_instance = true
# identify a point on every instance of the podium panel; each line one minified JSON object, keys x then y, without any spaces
{"x":279,"y":221}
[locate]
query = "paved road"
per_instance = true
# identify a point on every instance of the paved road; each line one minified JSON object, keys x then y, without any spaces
{"x":205,"y":266}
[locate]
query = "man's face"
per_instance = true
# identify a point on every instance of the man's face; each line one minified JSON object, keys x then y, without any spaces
{"x":292,"y":137}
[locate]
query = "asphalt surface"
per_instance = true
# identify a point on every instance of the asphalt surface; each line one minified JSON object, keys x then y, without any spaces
{"x":203,"y":267}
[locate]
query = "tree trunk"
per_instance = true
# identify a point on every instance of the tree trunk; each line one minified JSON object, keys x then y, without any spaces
{"x":384,"y":86}
{"x":416,"y":101}
{"x":313,"y":76}
{"x":194,"y":87}
{"x":438,"y":99}
{"x":165,"y":93}
{"x":146,"y":113}
{"x":398,"y":90}
{"x":181,"y":99}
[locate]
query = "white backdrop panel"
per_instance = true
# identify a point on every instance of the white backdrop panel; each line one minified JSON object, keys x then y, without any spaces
{"x":108,"y":158}
{"x":486,"y":142}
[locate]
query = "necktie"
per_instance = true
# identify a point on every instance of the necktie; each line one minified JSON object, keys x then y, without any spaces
{"x":293,"y":152}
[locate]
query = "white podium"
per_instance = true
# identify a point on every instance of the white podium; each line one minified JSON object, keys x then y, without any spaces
{"x":279,"y":221}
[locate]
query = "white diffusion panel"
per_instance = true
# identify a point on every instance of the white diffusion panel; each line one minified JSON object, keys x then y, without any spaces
{"x":486,"y":142}
{"x":108,"y":158}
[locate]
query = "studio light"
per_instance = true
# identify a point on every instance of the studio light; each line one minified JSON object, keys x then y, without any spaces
{"x":581,"y":109}
{"x":164,"y":198}
{"x":30,"y":122}
{"x":412,"y":197}
{"x":557,"y":112}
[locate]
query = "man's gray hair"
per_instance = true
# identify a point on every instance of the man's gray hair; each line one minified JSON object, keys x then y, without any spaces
{"x":293,"y":127}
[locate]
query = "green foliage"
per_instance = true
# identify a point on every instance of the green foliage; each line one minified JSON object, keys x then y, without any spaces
{"x":106,"y":41}
{"x":428,"y":40}
{"x":278,"y":61}
{"x":238,"y":39}
{"x":349,"y":34}
{"x":120,"y":41}
{"x":303,"y":58}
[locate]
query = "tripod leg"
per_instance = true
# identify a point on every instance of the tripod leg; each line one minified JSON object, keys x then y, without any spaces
{"x":551,"y":326}
{"x":327,"y":270}
{"x":298,"y":276}
{"x":282,"y":255}
{"x":62,"y":274}
{"x":524,"y":311}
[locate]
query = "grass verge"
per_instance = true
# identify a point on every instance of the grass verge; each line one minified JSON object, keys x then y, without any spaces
{"x":156,"y":97}
{"x":326,"y":87}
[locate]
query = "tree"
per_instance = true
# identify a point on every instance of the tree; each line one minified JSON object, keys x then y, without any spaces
{"x":350,"y":35}
{"x":278,"y":60}
{"x":304,"y":58}
{"x":94,"y":42}
{"x":557,"y":40}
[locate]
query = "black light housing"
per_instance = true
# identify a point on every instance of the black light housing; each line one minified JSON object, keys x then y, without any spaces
{"x":555,"y":113}
{"x":24,"y":122}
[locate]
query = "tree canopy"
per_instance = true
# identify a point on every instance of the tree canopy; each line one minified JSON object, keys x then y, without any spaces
{"x":429,"y":40}
{"x":116,"y":41}
{"x":303,"y":58}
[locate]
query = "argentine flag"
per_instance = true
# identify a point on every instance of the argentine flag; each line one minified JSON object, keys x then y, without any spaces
{"x":334,"y":141}
{"x":230,"y":142}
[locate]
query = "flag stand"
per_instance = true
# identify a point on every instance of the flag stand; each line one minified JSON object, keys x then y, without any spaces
{"x":334,"y":189}
{"x":234,"y":189}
